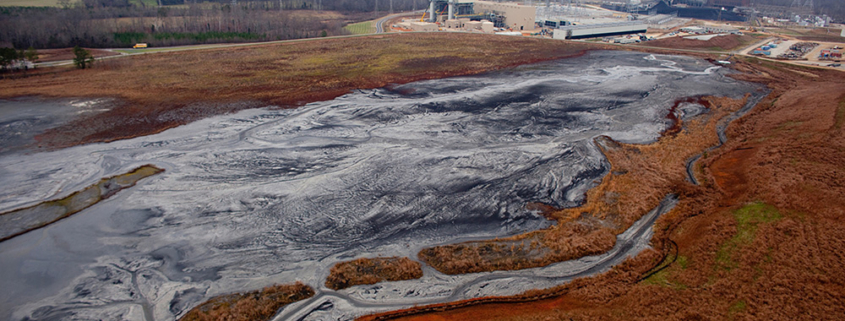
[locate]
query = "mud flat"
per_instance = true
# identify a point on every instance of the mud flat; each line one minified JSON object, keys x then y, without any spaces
{"x":758,"y":238}
{"x":640,"y":175}
{"x":177,"y":88}
{"x":274,"y":196}
{"x":20,"y":221}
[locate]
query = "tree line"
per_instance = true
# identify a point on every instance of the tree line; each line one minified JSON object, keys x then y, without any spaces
{"x":833,"y":8}
{"x":9,"y":57}
{"x":120,"y":23}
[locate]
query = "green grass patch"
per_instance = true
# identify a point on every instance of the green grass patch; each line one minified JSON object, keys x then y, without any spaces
{"x":130,"y":38}
{"x":205,"y":36}
{"x":144,"y":3}
{"x":659,"y":278}
{"x":662,"y":278}
{"x":30,"y":3}
{"x":361,"y":28}
{"x":682,"y":261}
{"x":737,"y":307}
{"x":748,"y":218}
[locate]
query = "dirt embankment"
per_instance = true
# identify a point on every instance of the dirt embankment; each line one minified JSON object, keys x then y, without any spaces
{"x":165,"y":90}
{"x":718,"y":43}
{"x":372,"y":271}
{"x":808,"y":33}
{"x":760,"y":239}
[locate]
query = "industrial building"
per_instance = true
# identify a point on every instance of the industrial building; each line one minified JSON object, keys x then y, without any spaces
{"x":516,"y":16}
{"x":599,"y":30}
{"x":707,"y":28}
{"x":501,"y":14}
{"x":662,"y":7}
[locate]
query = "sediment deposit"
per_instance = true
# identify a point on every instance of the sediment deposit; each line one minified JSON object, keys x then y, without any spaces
{"x":269,"y":196}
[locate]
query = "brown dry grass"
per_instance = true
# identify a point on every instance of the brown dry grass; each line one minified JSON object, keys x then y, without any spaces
{"x":45,"y":55}
{"x":641,"y":175}
{"x":762,"y":239}
{"x":252,"y":306}
{"x":165,"y":90}
{"x":719,"y":43}
{"x":372,"y":271}
{"x":808,"y":33}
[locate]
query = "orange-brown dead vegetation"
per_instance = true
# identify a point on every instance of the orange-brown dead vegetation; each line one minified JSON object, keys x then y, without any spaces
{"x":164,"y":90}
{"x":761,"y":238}
{"x":372,"y":270}
{"x":251,"y":306}
{"x":641,"y":175}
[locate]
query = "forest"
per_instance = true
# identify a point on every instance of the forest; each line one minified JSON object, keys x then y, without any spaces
{"x":122,"y":23}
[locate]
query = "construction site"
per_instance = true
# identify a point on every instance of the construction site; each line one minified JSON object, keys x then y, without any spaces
{"x":560,"y":19}
{"x":622,"y":22}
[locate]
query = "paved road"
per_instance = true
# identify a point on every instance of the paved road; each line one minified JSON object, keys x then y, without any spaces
{"x":383,"y":20}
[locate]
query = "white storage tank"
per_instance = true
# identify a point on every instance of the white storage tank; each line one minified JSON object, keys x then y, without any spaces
{"x":487,"y":26}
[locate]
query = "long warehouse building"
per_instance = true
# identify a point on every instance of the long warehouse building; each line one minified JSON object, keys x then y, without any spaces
{"x":599,"y":30}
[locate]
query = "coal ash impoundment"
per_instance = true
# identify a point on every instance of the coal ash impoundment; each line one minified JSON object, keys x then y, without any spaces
{"x":269,"y":196}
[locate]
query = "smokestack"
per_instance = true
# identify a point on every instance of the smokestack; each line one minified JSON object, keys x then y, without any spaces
{"x":451,"y":9}
{"x":431,"y":11}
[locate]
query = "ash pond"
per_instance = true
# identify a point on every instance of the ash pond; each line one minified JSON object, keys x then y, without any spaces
{"x":268,"y":196}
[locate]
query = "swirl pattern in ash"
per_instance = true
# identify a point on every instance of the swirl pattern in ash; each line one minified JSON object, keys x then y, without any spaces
{"x":273,"y":196}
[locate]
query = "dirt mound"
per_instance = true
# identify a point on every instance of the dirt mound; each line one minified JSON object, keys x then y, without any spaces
{"x":718,"y":43}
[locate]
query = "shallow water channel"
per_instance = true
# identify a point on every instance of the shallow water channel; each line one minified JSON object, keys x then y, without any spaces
{"x":269,"y":196}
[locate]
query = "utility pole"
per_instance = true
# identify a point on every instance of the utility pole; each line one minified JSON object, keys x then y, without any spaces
{"x":391,"y":6}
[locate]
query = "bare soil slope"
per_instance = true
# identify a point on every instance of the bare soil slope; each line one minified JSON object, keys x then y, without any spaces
{"x":718,"y":43}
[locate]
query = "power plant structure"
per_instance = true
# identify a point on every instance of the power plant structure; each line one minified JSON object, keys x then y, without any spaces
{"x":502,"y":14}
{"x":443,"y":10}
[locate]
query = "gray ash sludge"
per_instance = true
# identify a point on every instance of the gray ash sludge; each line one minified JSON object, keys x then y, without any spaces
{"x":268,"y":196}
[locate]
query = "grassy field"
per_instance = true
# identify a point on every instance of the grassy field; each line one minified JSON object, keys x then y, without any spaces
{"x":362,"y":28}
{"x":147,"y":3}
{"x":30,"y":3}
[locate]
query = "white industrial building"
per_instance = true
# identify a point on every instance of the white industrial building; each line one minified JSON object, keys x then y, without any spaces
{"x":503,"y":14}
{"x":599,"y":30}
